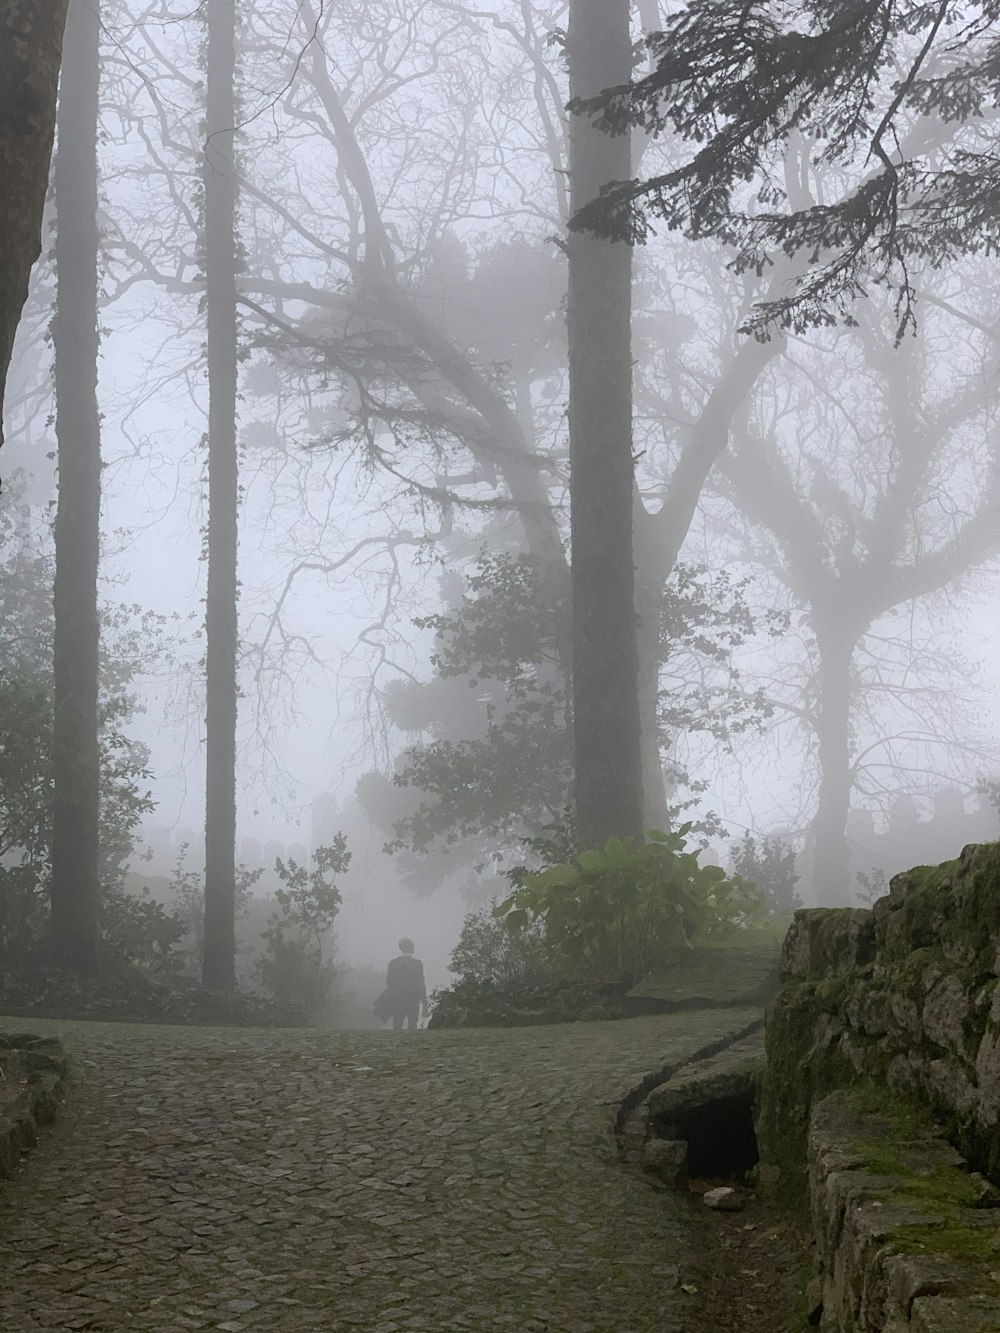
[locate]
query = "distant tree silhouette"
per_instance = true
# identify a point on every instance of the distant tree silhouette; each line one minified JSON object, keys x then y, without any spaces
{"x":221,"y":631}
{"x":75,"y":885}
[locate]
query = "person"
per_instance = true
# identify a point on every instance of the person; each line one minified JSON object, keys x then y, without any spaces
{"x":405,"y":987}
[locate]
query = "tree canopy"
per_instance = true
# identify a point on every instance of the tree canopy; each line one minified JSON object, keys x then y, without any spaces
{"x":895,"y":101}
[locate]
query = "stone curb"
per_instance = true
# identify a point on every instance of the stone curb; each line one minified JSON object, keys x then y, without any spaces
{"x":727,"y":1073}
{"x":40,"y":1063}
{"x":639,"y":1086}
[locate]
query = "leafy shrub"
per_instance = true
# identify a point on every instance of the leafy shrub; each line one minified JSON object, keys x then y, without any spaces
{"x":292,"y":968}
{"x":872,"y":885}
{"x":138,"y":934}
{"x":472,"y":1002}
{"x":23,"y":912}
{"x":501,"y":952}
{"x":770,"y":864}
{"x":609,"y":914}
{"x":187,"y":896}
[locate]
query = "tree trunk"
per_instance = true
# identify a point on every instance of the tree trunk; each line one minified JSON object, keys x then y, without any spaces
{"x":76,"y":809}
{"x":220,"y":612}
{"x":831,"y":851}
{"x":31,"y":37}
{"x":608,"y":794}
{"x":652,"y":569}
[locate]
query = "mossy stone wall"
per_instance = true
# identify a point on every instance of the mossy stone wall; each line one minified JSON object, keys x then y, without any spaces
{"x":903,"y":996}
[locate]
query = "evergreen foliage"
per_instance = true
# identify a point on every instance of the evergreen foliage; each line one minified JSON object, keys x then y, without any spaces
{"x":613,"y":912}
{"x":770,"y":865}
{"x":892,"y":100}
{"x":130,"y":641}
{"x":501,"y":953}
{"x":293,"y":968}
{"x":495,"y":767}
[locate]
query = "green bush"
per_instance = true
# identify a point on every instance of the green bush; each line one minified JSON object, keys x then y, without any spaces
{"x":610,"y":914}
{"x":482,"y":1003}
{"x":292,"y":968}
{"x":138,"y":934}
{"x":502,"y":952}
{"x":770,"y":864}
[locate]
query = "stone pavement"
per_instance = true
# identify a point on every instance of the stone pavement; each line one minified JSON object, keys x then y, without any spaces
{"x":234,"y":1179}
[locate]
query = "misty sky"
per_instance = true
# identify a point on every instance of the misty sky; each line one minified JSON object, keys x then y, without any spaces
{"x":310,"y":716}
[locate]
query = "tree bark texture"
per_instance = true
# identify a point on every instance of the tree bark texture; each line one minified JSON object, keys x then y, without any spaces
{"x":651,"y":575}
{"x":831,"y":850}
{"x":608,"y":793}
{"x":31,"y":36}
{"x":75,"y":883}
{"x":221,"y":604}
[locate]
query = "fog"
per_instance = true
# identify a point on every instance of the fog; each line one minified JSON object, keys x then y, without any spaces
{"x":815,"y":512}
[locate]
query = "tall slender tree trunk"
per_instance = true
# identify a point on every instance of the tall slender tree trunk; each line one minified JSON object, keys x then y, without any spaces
{"x":608,"y":772}
{"x":76,"y":811}
{"x":220,"y":612}
{"x":31,"y":36}
{"x":651,"y":574}
{"x":831,"y":850}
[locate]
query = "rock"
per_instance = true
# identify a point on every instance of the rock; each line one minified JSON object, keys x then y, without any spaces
{"x":41,"y":1064}
{"x":941,"y":1314}
{"x":909,"y":1276}
{"x":945,"y":1011}
{"x":989,"y":1195}
{"x":906,"y":1015}
{"x":768,"y":1176}
{"x":666,"y":1159}
{"x":814,"y":1301}
{"x":869,"y":1011}
{"x":988,"y":1076}
{"x":719,"y":1078}
{"x":724,"y":1199}
{"x":824,"y":941}
{"x":883,"y":1221}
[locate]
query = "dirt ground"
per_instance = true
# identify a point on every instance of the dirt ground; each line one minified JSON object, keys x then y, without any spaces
{"x":750,"y":1268}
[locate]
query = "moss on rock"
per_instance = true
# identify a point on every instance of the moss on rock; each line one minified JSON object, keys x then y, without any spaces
{"x":904,"y":995}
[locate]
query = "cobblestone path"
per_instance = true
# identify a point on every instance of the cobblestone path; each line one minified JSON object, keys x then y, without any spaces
{"x":455,"y":1180}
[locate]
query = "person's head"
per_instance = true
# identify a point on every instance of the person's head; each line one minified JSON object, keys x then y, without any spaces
{"x":405,"y":945}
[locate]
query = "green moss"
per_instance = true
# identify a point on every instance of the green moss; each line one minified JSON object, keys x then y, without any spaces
{"x":899,"y":1128}
{"x":798,"y":1071}
{"x":950,"y":904}
{"x":892,"y":1112}
{"x":947,"y":918}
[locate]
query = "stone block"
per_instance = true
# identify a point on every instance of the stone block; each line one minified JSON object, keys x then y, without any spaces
{"x":945,"y":1010}
{"x":911,"y":1275}
{"x":721,"y":1077}
{"x":724,"y":1199}
{"x":949,"y":1084}
{"x":666,"y":1161}
{"x":879,"y":1231}
{"x":39,"y":1064}
{"x":955,"y":1314}
{"x":827,"y":942}
{"x":988,"y":1077}
{"x":905,"y":1014}
{"x":869,"y":1011}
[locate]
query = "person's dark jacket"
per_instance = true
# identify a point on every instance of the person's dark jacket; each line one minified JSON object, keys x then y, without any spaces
{"x":404,"y":979}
